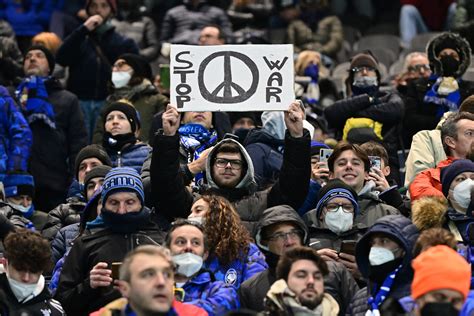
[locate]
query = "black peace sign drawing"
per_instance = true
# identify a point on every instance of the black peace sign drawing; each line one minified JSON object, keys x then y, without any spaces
{"x":227,"y":85}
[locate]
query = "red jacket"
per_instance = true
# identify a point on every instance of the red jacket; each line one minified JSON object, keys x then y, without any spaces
{"x":434,"y":12}
{"x":428,"y":182}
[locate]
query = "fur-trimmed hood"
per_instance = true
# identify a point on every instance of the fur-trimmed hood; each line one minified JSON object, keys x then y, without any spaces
{"x":453,"y":41}
{"x":429,"y":212}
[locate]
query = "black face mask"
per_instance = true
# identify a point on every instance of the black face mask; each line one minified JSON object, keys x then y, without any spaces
{"x":379,"y":273}
{"x":441,"y":309}
{"x":117,"y":142}
{"x":449,"y":65}
{"x":242,"y":134}
{"x":125,"y":223}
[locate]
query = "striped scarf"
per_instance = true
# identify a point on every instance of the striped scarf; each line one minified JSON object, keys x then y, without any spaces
{"x":382,"y":294}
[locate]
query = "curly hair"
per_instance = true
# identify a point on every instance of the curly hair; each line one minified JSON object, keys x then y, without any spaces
{"x":228,"y":238}
{"x":27,"y":251}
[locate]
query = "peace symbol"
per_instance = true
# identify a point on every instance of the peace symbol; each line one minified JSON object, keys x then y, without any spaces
{"x":227,"y":85}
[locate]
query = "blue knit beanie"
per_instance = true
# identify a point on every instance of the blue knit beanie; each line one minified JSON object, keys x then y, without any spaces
{"x":336,"y":188}
{"x":122,"y":179}
{"x":19,"y":184}
{"x":452,"y":171}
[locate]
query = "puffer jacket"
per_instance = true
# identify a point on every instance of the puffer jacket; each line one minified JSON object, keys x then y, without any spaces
{"x":215,"y":297}
{"x":175,"y":200}
{"x":400,"y":229}
{"x":63,"y":241}
{"x":132,"y":156}
{"x":15,"y":136}
{"x":428,"y":182}
{"x":339,"y":283}
{"x":74,"y":291}
{"x":62,"y":216}
{"x":35,"y":222}
{"x":238,"y":270}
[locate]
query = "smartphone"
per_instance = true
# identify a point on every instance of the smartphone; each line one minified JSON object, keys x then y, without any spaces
{"x":115,"y":267}
{"x":376,"y":162}
{"x":165,"y":76}
{"x":348,"y":246}
{"x":324,"y":154}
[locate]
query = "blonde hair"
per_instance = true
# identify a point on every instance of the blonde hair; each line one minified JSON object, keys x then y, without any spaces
{"x":305,"y":58}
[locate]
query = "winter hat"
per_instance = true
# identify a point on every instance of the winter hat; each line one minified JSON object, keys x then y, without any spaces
{"x":235,"y":116}
{"x":141,"y":67}
{"x":19,"y":184}
{"x":450,"y":172}
{"x":96,"y":172}
{"x":92,"y":151}
{"x":440,"y":267}
{"x":365,"y":59}
{"x":336,"y":188}
{"x":126,"y":108}
{"x":112,"y":3}
{"x":316,"y":146}
{"x":47,"y":53}
{"x":122,"y":179}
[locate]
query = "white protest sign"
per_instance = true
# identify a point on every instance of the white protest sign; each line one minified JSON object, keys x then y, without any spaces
{"x":232,"y":77}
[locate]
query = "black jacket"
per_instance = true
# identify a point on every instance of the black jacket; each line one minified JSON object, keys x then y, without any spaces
{"x":54,"y":151}
{"x":62,"y":216}
{"x":33,"y":307}
{"x":174,"y":200}
{"x":74,"y":291}
{"x":89,"y":72}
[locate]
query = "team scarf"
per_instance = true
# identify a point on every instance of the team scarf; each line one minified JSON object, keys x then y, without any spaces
{"x":446,"y":103}
{"x":383,"y":292}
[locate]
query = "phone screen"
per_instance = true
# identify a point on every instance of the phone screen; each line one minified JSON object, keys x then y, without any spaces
{"x":348,"y":246}
{"x":165,"y":76}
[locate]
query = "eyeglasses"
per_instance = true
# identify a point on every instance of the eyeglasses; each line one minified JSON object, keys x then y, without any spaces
{"x":234,"y":164}
{"x":362,"y":68}
{"x":293,"y":234}
{"x":418,"y":68}
{"x":346,"y":207}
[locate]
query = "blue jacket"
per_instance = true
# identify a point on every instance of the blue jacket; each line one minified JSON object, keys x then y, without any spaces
{"x":311,"y":199}
{"x":132,"y":156}
{"x":89,"y":73}
{"x":215,"y":297}
{"x":15,"y":136}
{"x":63,"y":241}
{"x":238,"y":271}
{"x":27,"y":18}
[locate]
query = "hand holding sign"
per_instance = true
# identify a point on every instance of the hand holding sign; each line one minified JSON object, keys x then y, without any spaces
{"x":294,"y":119}
{"x":171,"y":119}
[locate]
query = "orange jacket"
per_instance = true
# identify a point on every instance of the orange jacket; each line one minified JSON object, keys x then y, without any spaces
{"x":428,"y":182}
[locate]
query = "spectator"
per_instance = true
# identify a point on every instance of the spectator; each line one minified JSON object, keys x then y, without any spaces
{"x":384,"y":257}
{"x":189,"y":248}
{"x":433,"y":237}
{"x":69,"y":213}
{"x":15,"y":136}
{"x":93,"y":46}
{"x":27,"y":256}
{"x":122,"y":127}
{"x":368,"y":113}
{"x":183,"y":24}
{"x":131,"y":22}
{"x":52,"y":42}
{"x":26,"y":18}
{"x":441,"y":282}
{"x":85,"y":284}
{"x":295,"y":294}
{"x":147,"y":272}
{"x":229,"y":172}
{"x":416,"y":66}
{"x":11,"y":57}
{"x":211,"y":35}
{"x":315,"y":29}
{"x":280,"y":230}
{"x":131,"y":75}
{"x":462,"y":20}
{"x":19,"y":193}
{"x":457,"y":137}
{"x":423,"y":16}
{"x":427,"y":99}
{"x":233,"y":258}
{"x":57,"y":125}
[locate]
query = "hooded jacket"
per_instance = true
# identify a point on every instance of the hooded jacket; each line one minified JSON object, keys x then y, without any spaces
{"x":405,"y":233}
{"x":339,"y":283}
{"x":420,"y":115}
{"x":174,"y":200}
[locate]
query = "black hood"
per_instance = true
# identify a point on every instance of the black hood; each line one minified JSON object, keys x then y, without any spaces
{"x":453,"y":41}
{"x":260,"y":135}
{"x":279,"y":214}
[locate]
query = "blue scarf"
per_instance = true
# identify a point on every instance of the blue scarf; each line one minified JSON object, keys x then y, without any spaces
{"x":97,"y":222}
{"x":445,"y":103}
{"x":196,"y":138}
{"x":382,"y":294}
{"x":33,"y":97}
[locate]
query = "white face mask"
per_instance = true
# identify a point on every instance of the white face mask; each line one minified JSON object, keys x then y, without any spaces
{"x":339,"y":221}
{"x":22,"y":290}
{"x":120,"y":78}
{"x":197,"y":219}
{"x":380,"y":255}
{"x":188,"y":263}
{"x":462,"y":193}
{"x":21,"y":208}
